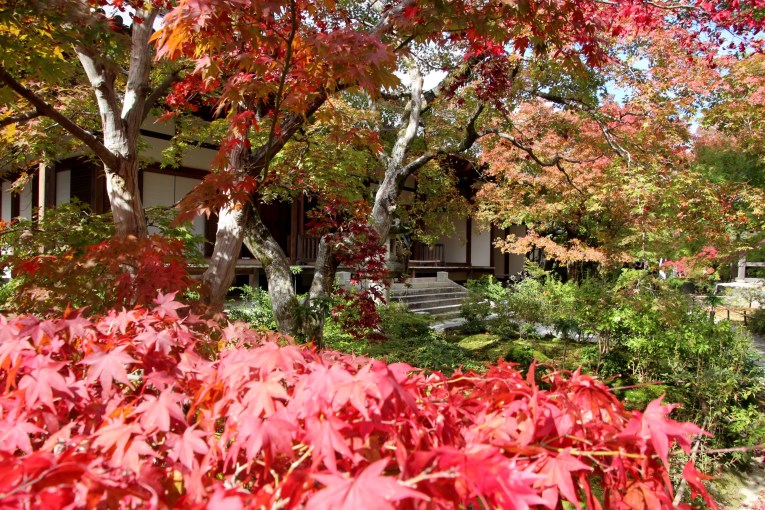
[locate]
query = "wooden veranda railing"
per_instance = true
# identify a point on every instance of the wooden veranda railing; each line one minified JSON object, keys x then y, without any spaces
{"x":307,"y":248}
{"x":423,"y":254}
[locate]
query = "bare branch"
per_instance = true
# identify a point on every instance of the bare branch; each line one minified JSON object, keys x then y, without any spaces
{"x":410,"y":122}
{"x":556,"y":161}
{"x":65,"y":122}
{"x":21,"y":118}
{"x":160,"y":90}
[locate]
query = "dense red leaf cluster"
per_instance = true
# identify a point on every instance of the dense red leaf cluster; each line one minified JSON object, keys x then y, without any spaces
{"x":144,"y":408}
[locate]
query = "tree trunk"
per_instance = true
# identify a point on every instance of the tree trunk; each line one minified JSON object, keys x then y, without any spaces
{"x":125,"y":198}
{"x":284,"y":303}
{"x":232,"y":219}
{"x":217,"y":279}
{"x":322,"y":285}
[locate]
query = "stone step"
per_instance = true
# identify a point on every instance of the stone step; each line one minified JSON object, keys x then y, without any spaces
{"x":419,"y":296}
{"x":430,"y":303}
{"x":441,"y":312}
{"x":420,"y":288}
{"x":426,"y":290}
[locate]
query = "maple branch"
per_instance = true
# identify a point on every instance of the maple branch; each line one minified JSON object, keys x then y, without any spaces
{"x":21,"y":118}
{"x":471,"y":136}
{"x":136,"y":89}
{"x":556,"y":161}
{"x":98,"y":148}
{"x":450,"y":80}
{"x":387,"y":19}
{"x":614,"y":144}
{"x":160,"y":90}
{"x":282,"y":81}
{"x":409,"y":126}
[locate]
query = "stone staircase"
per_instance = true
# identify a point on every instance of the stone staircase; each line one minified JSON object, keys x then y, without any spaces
{"x":439,"y":298}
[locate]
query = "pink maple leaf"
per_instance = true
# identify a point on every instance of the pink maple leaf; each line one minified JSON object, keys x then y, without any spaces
{"x":156,"y":412}
{"x":262,"y":394}
{"x":167,"y":305}
{"x":184,"y":448}
{"x":323,"y":433}
{"x":108,"y":366}
{"x":270,"y":356}
{"x":368,"y":490}
{"x":14,"y":433}
{"x":42,"y":379}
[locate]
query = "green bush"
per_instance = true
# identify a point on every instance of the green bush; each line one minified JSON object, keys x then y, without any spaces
{"x":254,"y":308}
{"x":756,"y":322}
{"x":475,"y":311}
{"x":397,"y":322}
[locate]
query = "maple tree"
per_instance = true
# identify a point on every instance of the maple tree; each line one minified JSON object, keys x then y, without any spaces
{"x":285,"y":70}
{"x":42,"y":89}
{"x":158,"y":408}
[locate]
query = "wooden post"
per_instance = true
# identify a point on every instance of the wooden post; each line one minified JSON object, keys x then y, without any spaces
{"x":46,"y":188}
{"x":294,"y":220}
{"x":741,"y":266}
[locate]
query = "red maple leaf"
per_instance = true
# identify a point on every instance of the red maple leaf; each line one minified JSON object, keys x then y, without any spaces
{"x":369,"y":490}
{"x":653,"y":424}
{"x":696,"y":483}
{"x":156,"y":412}
{"x":323,"y":433}
{"x":184,"y":448}
{"x":558,"y":471}
{"x":167,"y":305}
{"x":108,"y":366}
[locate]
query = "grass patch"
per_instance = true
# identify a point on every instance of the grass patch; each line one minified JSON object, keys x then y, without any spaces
{"x":446,"y":352}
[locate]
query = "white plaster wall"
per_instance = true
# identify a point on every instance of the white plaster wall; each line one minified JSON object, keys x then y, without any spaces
{"x":6,"y":202}
{"x":197,"y":158}
{"x":63,"y":187}
{"x":151,"y":124}
{"x":454,"y":247}
{"x":182,"y":187}
{"x":166,"y":190}
{"x":25,"y":202}
{"x":158,"y":189}
{"x":480,"y":246}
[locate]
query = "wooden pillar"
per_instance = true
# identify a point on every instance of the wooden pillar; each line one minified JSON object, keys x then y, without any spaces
{"x":46,"y":188}
{"x":741,"y":266}
{"x":294,"y":218}
{"x":469,"y":244}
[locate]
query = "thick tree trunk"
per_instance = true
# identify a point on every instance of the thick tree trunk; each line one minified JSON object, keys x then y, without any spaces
{"x":229,"y":236}
{"x":125,"y":198}
{"x":284,"y":303}
{"x":217,"y":279}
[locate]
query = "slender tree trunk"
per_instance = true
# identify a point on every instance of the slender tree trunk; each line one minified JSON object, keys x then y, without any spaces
{"x":322,"y":285}
{"x":284,"y":302}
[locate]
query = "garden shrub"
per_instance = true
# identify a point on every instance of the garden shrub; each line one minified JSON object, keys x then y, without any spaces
{"x":398,"y":323}
{"x":254,"y":309}
{"x":143,"y":408}
{"x":649,"y":331}
{"x":475,"y":311}
{"x":756,"y":322}
{"x":71,"y":259}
